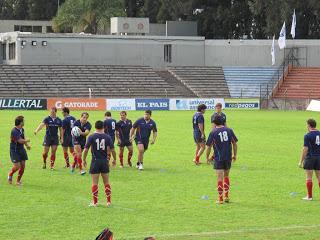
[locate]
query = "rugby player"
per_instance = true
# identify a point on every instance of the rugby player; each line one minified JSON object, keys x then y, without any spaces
{"x":123,"y":127}
{"x":198,"y":132}
{"x":140,"y":132}
{"x":51,"y":139}
{"x":224,"y":143}
{"x":18,"y":153}
{"x":80,"y":142}
{"x":218,"y":111}
{"x":66,"y":138}
{"x":310,"y":158}
{"x":101,"y":144}
{"x":110,"y":129}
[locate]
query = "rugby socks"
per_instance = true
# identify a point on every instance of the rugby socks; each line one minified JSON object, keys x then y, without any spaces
{"x":121,"y":158}
{"x":66,"y":158}
{"x":79,"y":162}
{"x":107,"y":190}
{"x":52,"y":160}
{"x":44,"y":157}
{"x":197,"y":158}
{"x":309,"y":188}
{"x":130,"y":153}
{"x":94,"y":190}
{"x":226,"y":186}
{"x":74,"y":154}
{"x":20,"y":173}
{"x":13,"y":170}
{"x":220,"y":190}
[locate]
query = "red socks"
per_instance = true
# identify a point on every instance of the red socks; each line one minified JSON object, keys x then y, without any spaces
{"x":66,"y":158}
{"x":107,"y":190}
{"x":79,"y":162}
{"x":121,"y":159}
{"x":226,"y":186}
{"x":20,"y":174}
{"x":94,"y":190}
{"x":220,"y":190}
{"x":197,"y":158}
{"x":130,"y":153}
{"x":13,"y":170}
{"x":44,"y":157}
{"x":52,"y":160}
{"x":309,"y":188}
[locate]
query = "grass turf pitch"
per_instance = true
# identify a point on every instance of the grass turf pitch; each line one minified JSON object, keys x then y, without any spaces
{"x":168,"y":198}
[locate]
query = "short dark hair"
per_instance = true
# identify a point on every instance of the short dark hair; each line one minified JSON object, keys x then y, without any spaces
{"x":107,"y":114}
{"x":219,"y":105}
{"x":148,"y":112}
{"x":201,"y":107}
{"x":84,"y":113}
{"x":66,"y":110}
{"x":312,"y":123}
{"x":123,"y":112}
{"x":218,"y":120}
{"x":54,"y":109}
{"x":18,"y":120}
{"x":99,"y":125}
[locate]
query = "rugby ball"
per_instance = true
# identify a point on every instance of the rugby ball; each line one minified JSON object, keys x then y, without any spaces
{"x":75,"y":132}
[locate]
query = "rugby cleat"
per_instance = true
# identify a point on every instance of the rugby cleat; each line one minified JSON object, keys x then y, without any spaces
{"x":82,"y":172}
{"x":44,"y":166}
{"x":138,"y":164}
{"x":108,"y":204}
{"x":141,"y":167}
{"x":19,"y":184}
{"x":9,"y":179}
{"x":93,"y":204}
{"x":129,"y":164}
{"x":307,"y":198}
{"x":227,"y":200}
{"x":219,"y":201}
{"x":72,"y":169}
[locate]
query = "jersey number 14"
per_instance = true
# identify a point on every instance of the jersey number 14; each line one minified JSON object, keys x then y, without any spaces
{"x":101,"y":145}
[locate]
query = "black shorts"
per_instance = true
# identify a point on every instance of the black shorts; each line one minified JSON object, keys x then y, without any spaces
{"x":67,"y":141}
{"x":145,"y":143}
{"x":125,"y":143}
{"x":222,"y":165}
{"x":311,"y":163}
{"x":81,"y":142}
{"x":197,"y":138}
{"x":18,"y":155}
{"x":99,"y":166}
{"x":50,"y":141}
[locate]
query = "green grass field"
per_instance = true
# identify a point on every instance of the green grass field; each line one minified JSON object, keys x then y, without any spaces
{"x":166,"y":200}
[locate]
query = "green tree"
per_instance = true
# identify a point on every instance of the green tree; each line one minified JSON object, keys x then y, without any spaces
{"x":42,"y":9}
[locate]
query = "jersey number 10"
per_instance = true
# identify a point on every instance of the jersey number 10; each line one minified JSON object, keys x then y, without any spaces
{"x":101,"y":145}
{"x":223,"y":136}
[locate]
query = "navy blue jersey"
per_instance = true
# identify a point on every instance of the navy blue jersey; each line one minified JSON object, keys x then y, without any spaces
{"x":196,"y":120}
{"x":312,"y":141}
{"x":222,"y":139}
{"x":223,"y":116}
{"x":67,"y":125}
{"x":52,"y":126}
{"x":124,"y":127}
{"x":110,"y":127}
{"x":84,"y":127}
{"x":144,"y":128}
{"x":16,"y":134}
{"x":99,"y":143}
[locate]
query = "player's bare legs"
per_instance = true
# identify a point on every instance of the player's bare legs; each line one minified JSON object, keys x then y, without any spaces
{"x":309,"y":183}
{"x":226,"y":185}
{"x":15,"y":168}
{"x":200,"y":149}
{"x":220,"y":175}
{"x":107,"y":187}
{"x":94,"y":189}
{"x":130,"y":153}
{"x":45,"y":156}
{"x":21,"y":172}
{"x":78,"y":157}
{"x":318,"y":176}
{"x":140,"y":154}
{"x":114,"y":156}
{"x":197,"y":150}
{"x":53,"y":156}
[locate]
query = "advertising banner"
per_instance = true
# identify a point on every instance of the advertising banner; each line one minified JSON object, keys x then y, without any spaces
{"x":121,"y":104}
{"x":252,"y":103}
{"x":23,"y":104}
{"x":192,"y":103}
{"x":152,"y":104}
{"x":86,"y":104}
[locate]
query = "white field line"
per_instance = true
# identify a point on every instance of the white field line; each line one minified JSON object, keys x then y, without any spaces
{"x":231,"y":232}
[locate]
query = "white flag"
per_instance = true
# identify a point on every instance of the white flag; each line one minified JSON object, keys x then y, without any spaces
{"x":273,"y":52}
{"x":282,"y":37}
{"x":293,"y":25}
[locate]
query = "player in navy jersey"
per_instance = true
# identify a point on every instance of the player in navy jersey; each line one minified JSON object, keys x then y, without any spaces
{"x":66,"y":137}
{"x":198,"y":132}
{"x":140,"y":133}
{"x":218,"y":111}
{"x":110,"y":129}
{"x":53,"y":125}
{"x":123,"y":136}
{"x":310,"y":159}
{"x":80,"y":142}
{"x":224,"y":143}
{"x":101,"y":144}
{"x":18,"y":153}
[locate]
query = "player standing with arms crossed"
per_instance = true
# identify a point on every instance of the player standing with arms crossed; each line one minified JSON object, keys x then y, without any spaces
{"x":224,"y":143}
{"x":51,"y":139}
{"x":66,"y":139}
{"x":18,"y":153}
{"x":140,"y":132}
{"x":101,"y":144}
{"x":80,"y":142}
{"x":123,"y":136}
{"x":198,"y":132}
{"x":110,"y":129}
{"x":310,"y":158}
{"x":218,"y":112}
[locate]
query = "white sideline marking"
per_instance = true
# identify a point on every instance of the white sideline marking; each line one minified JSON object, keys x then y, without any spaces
{"x":208,"y":234}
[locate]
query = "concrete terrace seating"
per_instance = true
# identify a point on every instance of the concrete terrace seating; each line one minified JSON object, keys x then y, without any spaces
{"x":203,"y":81}
{"x":300,"y":83}
{"x":246,"y":81}
{"x":75,"y":80}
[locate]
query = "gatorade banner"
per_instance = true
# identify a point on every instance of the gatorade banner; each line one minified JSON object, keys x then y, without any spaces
{"x":86,"y":104}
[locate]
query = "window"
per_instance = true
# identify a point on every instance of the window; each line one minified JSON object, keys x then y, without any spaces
{"x":25,"y":28}
{"x":12,"y":51}
{"x":49,"y":29}
{"x":16,"y":28}
{"x":37,"y":29}
{"x":167,"y":53}
{"x":4,"y":51}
